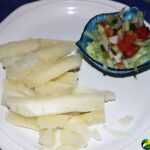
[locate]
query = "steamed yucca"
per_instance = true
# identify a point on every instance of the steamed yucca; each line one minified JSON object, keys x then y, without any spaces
{"x":26,"y":122}
{"x":52,"y":121}
{"x":54,"y":70}
{"x":54,"y":52}
{"x":18,"y":87}
{"x":44,"y":105}
{"x":69,"y":137}
{"x":54,"y":88}
{"x":67,"y":78}
{"x":47,"y":137}
{"x":18,"y":48}
{"x":42,"y":94}
{"x":90,"y":118}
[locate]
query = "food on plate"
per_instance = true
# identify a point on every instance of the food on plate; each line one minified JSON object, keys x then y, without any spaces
{"x":125,"y":121}
{"x":9,"y":92}
{"x":119,"y":42}
{"x":47,"y":137}
{"x":96,"y":135}
{"x":68,"y":78}
{"x":41,"y":93}
{"x":54,"y":52}
{"x":51,"y":71}
{"x":69,"y":137}
{"x":26,"y":122}
{"x":108,"y":95}
{"x":63,"y":85}
{"x":18,"y":48}
{"x":19,"y":87}
{"x":52,"y":121}
{"x":54,"y":88}
{"x":23,"y":65}
{"x":89,"y":118}
{"x":44,"y":105}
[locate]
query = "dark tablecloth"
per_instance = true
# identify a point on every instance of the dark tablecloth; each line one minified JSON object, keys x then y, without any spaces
{"x":7,"y":6}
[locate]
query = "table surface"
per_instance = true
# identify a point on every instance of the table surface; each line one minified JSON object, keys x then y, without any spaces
{"x":8,"y":6}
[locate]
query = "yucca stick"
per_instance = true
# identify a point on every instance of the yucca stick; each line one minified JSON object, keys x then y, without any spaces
{"x":72,"y":138}
{"x":54,"y":52}
{"x":53,"y":71}
{"x":44,"y":105}
{"x":52,"y":121}
{"x":7,"y":62}
{"x":26,"y":122}
{"x":68,"y":78}
{"x":46,"y":54}
{"x":54,"y":88}
{"x":51,"y":42}
{"x":108,"y":95}
{"x":90,"y":118}
{"x":10,"y":92}
{"x":47,"y":137}
{"x":18,"y":48}
{"x":20,"y":72}
{"x":18,"y":87}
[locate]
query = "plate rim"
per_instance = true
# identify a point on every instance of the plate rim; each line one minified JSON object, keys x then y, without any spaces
{"x":33,"y":5}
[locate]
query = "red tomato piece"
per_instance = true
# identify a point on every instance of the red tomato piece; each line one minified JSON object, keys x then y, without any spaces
{"x":134,"y":49}
{"x":109,"y":31}
{"x":134,"y":35}
{"x":121,"y":65}
{"x":103,"y":23}
{"x":125,"y":44}
{"x":143,"y":32}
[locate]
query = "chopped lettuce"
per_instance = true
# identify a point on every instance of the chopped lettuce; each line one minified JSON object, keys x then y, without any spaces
{"x":94,"y":50}
{"x":140,"y":18}
{"x":140,"y":57}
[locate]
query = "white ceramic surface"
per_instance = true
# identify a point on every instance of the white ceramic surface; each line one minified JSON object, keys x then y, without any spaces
{"x":65,"y":19}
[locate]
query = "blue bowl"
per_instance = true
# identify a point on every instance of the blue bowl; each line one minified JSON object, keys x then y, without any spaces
{"x":84,"y":40}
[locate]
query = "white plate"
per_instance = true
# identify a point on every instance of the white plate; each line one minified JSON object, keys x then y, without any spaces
{"x":65,"y":20}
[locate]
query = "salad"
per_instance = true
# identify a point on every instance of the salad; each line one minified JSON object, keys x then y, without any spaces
{"x":120,"y":43}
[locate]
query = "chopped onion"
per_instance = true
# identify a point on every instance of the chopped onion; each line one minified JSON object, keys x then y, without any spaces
{"x":113,"y":39}
{"x":110,"y":54}
{"x":90,"y":35}
{"x":126,"y":63}
{"x":118,"y":57}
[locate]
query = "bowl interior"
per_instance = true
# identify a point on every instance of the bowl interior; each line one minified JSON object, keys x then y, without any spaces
{"x":84,"y":40}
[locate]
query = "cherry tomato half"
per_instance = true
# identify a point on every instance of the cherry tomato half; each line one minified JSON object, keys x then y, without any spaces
{"x":143,"y":32}
{"x":134,"y":49}
{"x":121,"y":65}
{"x":125,"y":44}
{"x":103,"y":23}
{"x":109,"y":31}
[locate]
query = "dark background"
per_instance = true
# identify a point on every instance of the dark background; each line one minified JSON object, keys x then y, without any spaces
{"x":7,"y":6}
